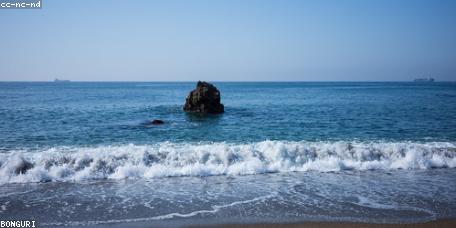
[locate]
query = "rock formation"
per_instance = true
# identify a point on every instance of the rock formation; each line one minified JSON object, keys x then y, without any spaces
{"x":22,"y":166}
{"x":156,"y":122}
{"x":204,"y":99}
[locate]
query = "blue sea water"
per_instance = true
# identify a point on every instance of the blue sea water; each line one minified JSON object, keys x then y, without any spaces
{"x":56,"y":114}
{"x":82,"y":153}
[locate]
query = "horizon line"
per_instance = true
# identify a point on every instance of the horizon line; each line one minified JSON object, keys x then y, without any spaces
{"x":185,"y":81}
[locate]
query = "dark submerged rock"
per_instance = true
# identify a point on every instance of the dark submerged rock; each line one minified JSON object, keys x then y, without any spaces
{"x":22,"y":167}
{"x":204,"y":99}
{"x":156,"y":122}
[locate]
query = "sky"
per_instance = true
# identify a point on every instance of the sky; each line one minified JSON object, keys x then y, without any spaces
{"x":217,"y":40}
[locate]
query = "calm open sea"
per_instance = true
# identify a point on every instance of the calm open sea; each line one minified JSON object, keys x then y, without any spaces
{"x":82,"y":153}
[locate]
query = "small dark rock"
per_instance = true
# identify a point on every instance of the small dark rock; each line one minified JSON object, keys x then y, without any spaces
{"x":204,"y":99}
{"x":22,"y":167}
{"x":156,"y":122}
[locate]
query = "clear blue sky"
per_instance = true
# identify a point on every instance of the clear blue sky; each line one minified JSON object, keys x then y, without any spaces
{"x":215,"y":40}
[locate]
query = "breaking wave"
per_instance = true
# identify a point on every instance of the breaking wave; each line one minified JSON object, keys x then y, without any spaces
{"x":206,"y":159}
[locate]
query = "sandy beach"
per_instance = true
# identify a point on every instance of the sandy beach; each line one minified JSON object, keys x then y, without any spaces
{"x":441,"y":223}
{"x":444,"y":223}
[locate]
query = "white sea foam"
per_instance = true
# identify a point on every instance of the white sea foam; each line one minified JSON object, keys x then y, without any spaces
{"x":214,"y":209}
{"x":185,"y":159}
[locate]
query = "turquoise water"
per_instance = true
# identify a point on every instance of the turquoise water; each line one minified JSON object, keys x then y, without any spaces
{"x":83,"y":154}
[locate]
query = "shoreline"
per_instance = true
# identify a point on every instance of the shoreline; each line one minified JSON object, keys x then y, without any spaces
{"x":439,"y":223}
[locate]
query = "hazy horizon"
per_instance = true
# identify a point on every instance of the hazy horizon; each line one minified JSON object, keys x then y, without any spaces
{"x":172,"y":41}
{"x":222,"y":81}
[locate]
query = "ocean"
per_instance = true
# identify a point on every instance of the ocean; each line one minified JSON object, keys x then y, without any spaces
{"x":82,"y":153}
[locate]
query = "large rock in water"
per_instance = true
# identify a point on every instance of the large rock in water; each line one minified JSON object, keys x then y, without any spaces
{"x":204,"y":99}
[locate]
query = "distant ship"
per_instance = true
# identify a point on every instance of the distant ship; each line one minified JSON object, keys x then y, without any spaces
{"x":59,"y":80}
{"x":424,"y":80}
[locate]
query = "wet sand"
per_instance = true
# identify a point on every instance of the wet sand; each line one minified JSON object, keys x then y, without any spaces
{"x":445,"y":223}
